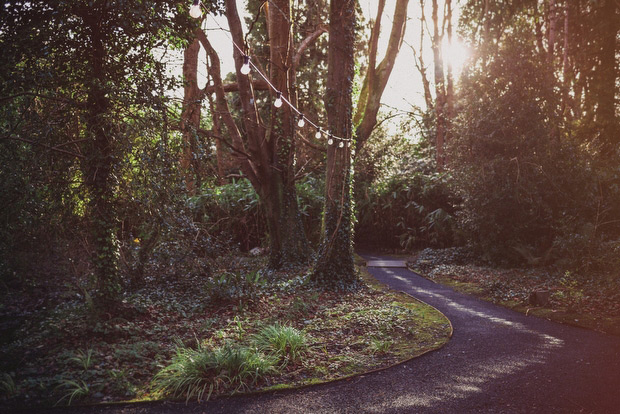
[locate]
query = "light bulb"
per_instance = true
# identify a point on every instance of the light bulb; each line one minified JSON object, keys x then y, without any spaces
{"x":341,"y":145}
{"x":278,"y":102}
{"x":245,"y":69}
{"x":301,"y":122}
{"x":330,"y":141}
{"x":195,"y":10}
{"x":317,"y":135}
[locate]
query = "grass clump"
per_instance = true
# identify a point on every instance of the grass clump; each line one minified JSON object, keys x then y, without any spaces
{"x":74,"y":390}
{"x":285,"y":342}
{"x":194,"y":372}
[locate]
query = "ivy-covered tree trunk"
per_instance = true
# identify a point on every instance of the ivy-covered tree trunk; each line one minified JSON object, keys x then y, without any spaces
{"x":99,"y":177}
{"x":334,"y":266}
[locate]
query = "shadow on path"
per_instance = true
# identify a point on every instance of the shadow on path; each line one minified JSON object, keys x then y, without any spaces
{"x":498,"y":361}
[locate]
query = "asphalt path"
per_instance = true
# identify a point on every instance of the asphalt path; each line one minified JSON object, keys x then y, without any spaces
{"x":498,"y":361}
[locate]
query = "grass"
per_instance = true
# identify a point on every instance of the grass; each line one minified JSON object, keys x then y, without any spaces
{"x":279,"y":333}
{"x":285,"y":342}
{"x":591,"y":301}
{"x":192,"y":373}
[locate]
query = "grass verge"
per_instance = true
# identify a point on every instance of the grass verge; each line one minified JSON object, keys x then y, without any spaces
{"x":241,"y":330}
{"x":591,"y":302}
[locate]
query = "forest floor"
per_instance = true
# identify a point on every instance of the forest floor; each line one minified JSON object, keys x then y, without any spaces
{"x":589,"y":300}
{"x":53,"y":352}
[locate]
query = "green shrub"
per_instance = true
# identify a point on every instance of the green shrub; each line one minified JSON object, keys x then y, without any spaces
{"x":523,"y":184}
{"x":193,"y":373}
{"x":232,"y":212}
{"x":286,"y":342}
{"x":235,"y":286}
{"x":400,"y":200}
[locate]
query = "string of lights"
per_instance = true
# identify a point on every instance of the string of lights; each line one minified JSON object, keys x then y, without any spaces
{"x":247,"y":67}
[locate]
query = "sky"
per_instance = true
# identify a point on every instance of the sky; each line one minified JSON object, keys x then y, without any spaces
{"x":404,"y":88}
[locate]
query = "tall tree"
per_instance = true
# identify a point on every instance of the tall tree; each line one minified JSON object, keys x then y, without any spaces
{"x":440,"y":89}
{"x":99,"y":58}
{"x":377,"y":75}
{"x":606,"y":75}
{"x":334,"y":265}
{"x":265,"y":151}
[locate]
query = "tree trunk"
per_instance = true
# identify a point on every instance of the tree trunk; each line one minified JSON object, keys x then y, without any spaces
{"x":440,"y":92}
{"x":268,"y":157}
{"x":605,"y":78}
{"x":418,"y":60}
{"x":553,"y":20}
{"x":334,"y":266}
{"x":449,"y":75}
{"x":190,"y":115}
{"x":377,"y":77}
{"x":287,"y":237}
{"x":99,"y":179}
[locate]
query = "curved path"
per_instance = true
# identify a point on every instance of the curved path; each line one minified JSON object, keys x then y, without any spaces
{"x":498,"y":361}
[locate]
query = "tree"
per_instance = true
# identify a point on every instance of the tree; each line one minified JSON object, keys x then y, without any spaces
{"x":266,"y":151}
{"x":98,"y":59}
{"x":334,"y":265}
{"x":377,"y":76}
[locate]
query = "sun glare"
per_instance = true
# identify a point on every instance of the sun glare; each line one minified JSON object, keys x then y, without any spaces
{"x":457,"y":54}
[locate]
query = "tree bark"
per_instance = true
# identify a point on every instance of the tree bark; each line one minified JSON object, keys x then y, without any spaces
{"x":190,"y":115}
{"x":266,"y":155}
{"x":419,"y":61}
{"x":286,"y":232}
{"x":334,"y":267}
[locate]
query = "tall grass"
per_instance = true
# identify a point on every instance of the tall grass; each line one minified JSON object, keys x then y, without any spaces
{"x":196,"y":372}
{"x":285,"y":342}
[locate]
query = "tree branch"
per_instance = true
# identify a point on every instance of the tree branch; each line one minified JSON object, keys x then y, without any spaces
{"x":307,"y":42}
{"x":34,"y":143}
{"x":257,"y":84}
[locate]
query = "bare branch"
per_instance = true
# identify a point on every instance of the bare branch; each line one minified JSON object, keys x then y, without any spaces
{"x":34,"y":143}
{"x":307,"y":42}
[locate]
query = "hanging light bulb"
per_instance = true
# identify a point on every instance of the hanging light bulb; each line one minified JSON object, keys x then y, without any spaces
{"x":302,"y":121}
{"x":195,"y":10}
{"x":245,"y":69}
{"x":330,"y":141}
{"x":317,"y":135}
{"x":278,"y":102}
{"x":341,"y":145}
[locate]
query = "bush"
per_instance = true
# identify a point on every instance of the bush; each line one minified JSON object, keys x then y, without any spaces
{"x":235,"y":286}
{"x":524,"y":185}
{"x":231,"y":213}
{"x":285,"y":342}
{"x":400,"y":201}
{"x":194,"y":372}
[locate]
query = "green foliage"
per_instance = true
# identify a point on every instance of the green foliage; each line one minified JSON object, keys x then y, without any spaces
{"x":235,"y":286}
{"x":193,"y":373}
{"x":83,"y":358}
{"x":232,"y":213}
{"x":286,"y":342}
{"x":73,"y":390}
{"x":8,"y":387}
{"x":400,"y":201}
{"x":524,"y":186}
{"x":379,"y":346}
